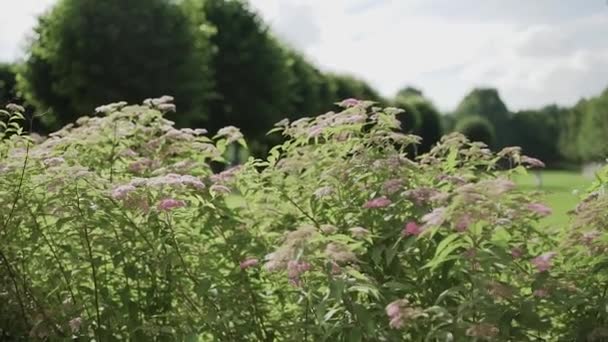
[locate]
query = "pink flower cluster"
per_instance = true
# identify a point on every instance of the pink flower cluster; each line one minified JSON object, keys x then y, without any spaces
{"x":543,"y":261}
{"x":412,"y":228}
{"x":400,"y":312}
{"x":540,"y":209}
{"x":379,"y":202}
{"x":294,"y":269}
{"x":247,"y":263}
{"x":169,"y":204}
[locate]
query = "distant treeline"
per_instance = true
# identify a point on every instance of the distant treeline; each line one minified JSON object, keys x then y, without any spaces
{"x":225,"y":67}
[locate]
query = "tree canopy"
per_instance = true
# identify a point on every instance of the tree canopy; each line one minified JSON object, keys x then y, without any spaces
{"x":88,"y":52}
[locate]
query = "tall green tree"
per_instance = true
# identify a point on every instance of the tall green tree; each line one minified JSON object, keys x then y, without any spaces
{"x":420,"y":117}
{"x":309,"y":92}
{"x":347,"y":86}
{"x":486,"y":103}
{"x":594,"y":129}
{"x":537,"y":132}
{"x":8,"y":82}
{"x":251,"y":71}
{"x":88,"y":52}
{"x":476,"y":128}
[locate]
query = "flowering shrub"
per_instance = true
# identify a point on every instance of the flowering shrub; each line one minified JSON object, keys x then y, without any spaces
{"x":116,"y":228}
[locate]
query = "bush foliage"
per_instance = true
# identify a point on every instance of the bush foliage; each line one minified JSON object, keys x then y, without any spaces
{"x":115,"y":227}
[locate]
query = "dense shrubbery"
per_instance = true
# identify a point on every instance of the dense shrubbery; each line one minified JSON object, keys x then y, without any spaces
{"x":115,"y":227}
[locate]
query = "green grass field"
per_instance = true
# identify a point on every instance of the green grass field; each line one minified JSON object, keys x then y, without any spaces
{"x":558,"y":187}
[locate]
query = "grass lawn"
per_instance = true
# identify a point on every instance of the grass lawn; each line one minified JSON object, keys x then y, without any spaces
{"x":558,"y":187}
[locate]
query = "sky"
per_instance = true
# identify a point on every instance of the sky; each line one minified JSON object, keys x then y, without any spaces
{"x":536,"y":52}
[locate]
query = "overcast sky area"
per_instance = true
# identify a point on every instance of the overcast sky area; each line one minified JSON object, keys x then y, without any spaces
{"x":535,"y":52}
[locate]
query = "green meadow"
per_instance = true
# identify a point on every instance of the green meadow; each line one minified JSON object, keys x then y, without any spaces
{"x":560,"y":191}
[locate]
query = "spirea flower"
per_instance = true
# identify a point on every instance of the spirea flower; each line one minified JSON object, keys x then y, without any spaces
{"x":323,"y":191}
{"x":540,"y":209}
{"x":543,"y":261}
{"x":463,"y":223}
{"x":400,"y":312}
{"x":358,"y":232}
{"x":122,"y":191}
{"x":412,"y":228}
{"x":245,"y":264}
{"x":54,"y":161}
{"x":435,"y":217}
{"x":392,"y":186}
{"x":168,"y":204}
{"x":483,"y":330}
{"x":379,"y":202}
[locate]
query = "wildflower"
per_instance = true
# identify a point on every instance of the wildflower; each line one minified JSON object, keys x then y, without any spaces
{"x":170,"y":204}
{"x":192,"y":181}
{"x":75,"y":324}
{"x":128,"y":153}
{"x":359,"y":232}
{"x":122,"y":191}
{"x":349,"y":103}
{"x":533,"y":162}
{"x":294,"y":269}
{"x":399,"y":312}
{"x":52,"y":162}
{"x":323,"y":191}
{"x":392,"y":185}
{"x":339,"y":253}
{"x":248,"y":263}
{"x":199,"y":131}
{"x":412,"y":228}
{"x":589,"y":237}
{"x":483,"y":330}
{"x":499,"y":290}
{"x":328,"y":229}
{"x":315,"y":131}
{"x":166,"y":107}
{"x":463,"y":223}
{"x":541,"y":293}
{"x":435,"y":217}
{"x":231,"y":133}
{"x":421,"y":196}
{"x":15,"y":108}
{"x":543,"y":261}
{"x":539,"y":209}
{"x":517,"y":252}
{"x":379,"y":202}
{"x":219,"y":189}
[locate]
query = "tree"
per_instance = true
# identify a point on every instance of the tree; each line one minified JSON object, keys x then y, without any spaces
{"x":537,"y":132}
{"x":8,"y":81}
{"x":87,"y":52}
{"x":347,"y":86}
{"x":309,"y":92}
{"x":476,"y":128}
{"x":420,"y":117}
{"x":486,"y":103}
{"x":251,"y":70}
{"x":594,"y":128}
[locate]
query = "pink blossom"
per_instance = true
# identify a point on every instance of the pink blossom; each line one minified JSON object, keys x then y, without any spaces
{"x":248,"y":263}
{"x":379,"y":202}
{"x":589,"y":237}
{"x":220,"y":189}
{"x":349,"y":103}
{"x":170,"y":204}
{"x":392,"y":185}
{"x":543,"y":261}
{"x":359,"y":232}
{"x":55,"y":161}
{"x":122,"y":191}
{"x":412,"y":228}
{"x":533,"y":162}
{"x":315,"y":131}
{"x":463,"y":223}
{"x":323,"y":191}
{"x":517,"y":252}
{"x":540,"y":209}
{"x":75,"y":324}
{"x":540,"y":293}
{"x":435,"y":217}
